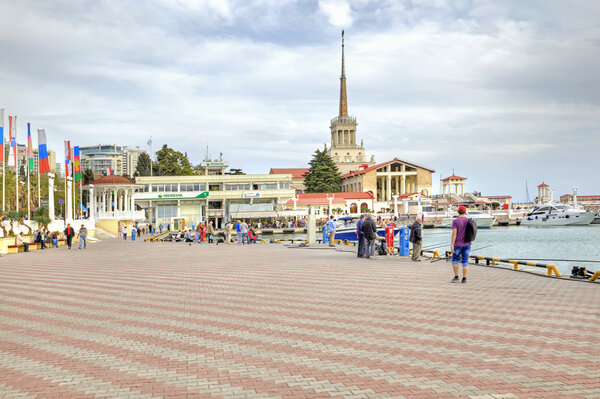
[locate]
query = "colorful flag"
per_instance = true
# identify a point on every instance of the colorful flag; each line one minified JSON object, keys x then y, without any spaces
{"x":67,"y":157}
{"x":29,"y":148}
{"x":76,"y":165}
{"x":12,"y":154}
{"x":43,"y":165}
{"x":2,"y":135}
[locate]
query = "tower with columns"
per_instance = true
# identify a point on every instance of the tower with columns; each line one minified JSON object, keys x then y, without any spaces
{"x":453,"y":182}
{"x":344,"y":149}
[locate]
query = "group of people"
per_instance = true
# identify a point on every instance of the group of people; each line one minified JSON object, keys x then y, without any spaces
{"x":366,"y":232}
{"x":42,"y":236}
{"x":459,"y":246}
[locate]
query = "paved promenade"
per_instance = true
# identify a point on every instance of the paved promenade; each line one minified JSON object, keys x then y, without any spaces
{"x":151,"y":320}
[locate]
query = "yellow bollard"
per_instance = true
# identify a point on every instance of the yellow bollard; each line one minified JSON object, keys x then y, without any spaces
{"x":436,"y":254}
{"x":553,"y":269}
{"x":515,"y":264}
{"x":595,"y":276}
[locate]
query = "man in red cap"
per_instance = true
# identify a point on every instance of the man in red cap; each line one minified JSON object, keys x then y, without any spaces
{"x":459,"y":247}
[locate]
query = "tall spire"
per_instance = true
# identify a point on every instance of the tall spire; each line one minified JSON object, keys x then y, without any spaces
{"x":343,"y":97}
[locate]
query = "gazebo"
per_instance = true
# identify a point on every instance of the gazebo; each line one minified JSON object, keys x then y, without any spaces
{"x":113,"y":198}
{"x":456,"y":181}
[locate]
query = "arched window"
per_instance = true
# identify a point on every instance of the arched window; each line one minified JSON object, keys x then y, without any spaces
{"x":364,"y":207}
{"x":353,"y":208}
{"x":425,"y":192}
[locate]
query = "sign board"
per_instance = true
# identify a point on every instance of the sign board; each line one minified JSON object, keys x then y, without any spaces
{"x":251,"y":195}
{"x":60,"y":201}
{"x":180,"y":195}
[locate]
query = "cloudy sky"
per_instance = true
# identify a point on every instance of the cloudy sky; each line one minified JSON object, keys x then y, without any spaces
{"x":501,"y":92}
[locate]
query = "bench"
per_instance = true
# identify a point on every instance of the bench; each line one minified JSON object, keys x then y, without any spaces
{"x":13,"y":249}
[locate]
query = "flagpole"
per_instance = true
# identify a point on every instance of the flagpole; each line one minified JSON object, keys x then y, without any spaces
{"x":16,"y":162}
{"x":3,"y":164}
{"x":39,"y":184}
{"x":28,"y":171}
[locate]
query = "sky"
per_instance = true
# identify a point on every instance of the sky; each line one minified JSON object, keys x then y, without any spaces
{"x":500,"y":92}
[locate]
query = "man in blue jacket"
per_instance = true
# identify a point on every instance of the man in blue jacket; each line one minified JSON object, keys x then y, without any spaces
{"x":360,"y":236}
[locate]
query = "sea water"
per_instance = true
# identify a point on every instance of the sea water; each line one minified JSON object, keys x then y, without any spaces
{"x":559,"y":244}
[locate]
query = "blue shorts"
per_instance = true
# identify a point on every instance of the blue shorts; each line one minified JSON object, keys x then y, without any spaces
{"x":461,"y":252}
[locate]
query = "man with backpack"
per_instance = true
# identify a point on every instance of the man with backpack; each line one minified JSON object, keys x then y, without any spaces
{"x":416,"y":237}
{"x":369,"y":229}
{"x":463,"y":232}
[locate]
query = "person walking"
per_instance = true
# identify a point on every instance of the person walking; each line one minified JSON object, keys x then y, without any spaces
{"x":331,"y":231}
{"x":82,"y":235}
{"x":370,"y":233}
{"x":133,"y":233}
{"x":244,"y":232}
{"x":69,"y":234}
{"x":360,"y":236}
{"x":228,"y":230}
{"x":416,"y":237}
{"x":459,"y":247}
{"x":124,"y":231}
{"x":211,"y":232}
{"x":21,"y":241}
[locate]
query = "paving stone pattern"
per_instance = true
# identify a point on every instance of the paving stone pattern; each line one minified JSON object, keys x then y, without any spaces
{"x":169,"y":320}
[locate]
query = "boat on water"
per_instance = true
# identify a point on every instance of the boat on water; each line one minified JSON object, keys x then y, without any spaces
{"x":483,"y":220}
{"x":346,"y":229}
{"x":596,"y":219}
{"x":554,"y":214}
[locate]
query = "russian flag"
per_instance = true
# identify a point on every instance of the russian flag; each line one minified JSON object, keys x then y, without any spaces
{"x":2,"y":135}
{"x":12,"y":153}
{"x":44,"y":167}
{"x":67,"y":157}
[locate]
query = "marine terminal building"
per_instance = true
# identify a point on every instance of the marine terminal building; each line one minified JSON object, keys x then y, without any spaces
{"x":189,"y":200}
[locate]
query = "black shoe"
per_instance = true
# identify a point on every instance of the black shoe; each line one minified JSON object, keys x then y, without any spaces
{"x":454,"y":280}
{"x":464,"y":280}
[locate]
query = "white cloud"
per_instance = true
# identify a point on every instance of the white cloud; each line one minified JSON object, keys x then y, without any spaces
{"x":338,"y":12}
{"x":512,"y":88}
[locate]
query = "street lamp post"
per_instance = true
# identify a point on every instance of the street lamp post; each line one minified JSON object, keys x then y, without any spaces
{"x":295,"y":199}
{"x":395,"y":197}
{"x":330,"y":199}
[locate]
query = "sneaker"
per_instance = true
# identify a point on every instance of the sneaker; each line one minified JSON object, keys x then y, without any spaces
{"x":454,"y":280}
{"x":464,"y":280}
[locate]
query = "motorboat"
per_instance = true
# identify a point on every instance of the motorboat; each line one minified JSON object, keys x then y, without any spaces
{"x":346,"y":229}
{"x":554,"y":214}
{"x":596,"y":219}
{"x":483,"y":220}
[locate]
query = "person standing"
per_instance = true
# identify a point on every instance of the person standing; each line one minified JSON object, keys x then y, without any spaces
{"x":459,"y":246}
{"x":69,"y":234}
{"x":238,"y":231}
{"x":331,"y":231}
{"x":198,"y":231}
{"x":370,"y":232}
{"x":360,"y":236}
{"x":124,"y":231}
{"x":133,"y":233}
{"x":82,"y":235}
{"x":244,"y":232}
{"x":228,"y":229}
{"x":416,"y":237}
{"x":21,"y":241}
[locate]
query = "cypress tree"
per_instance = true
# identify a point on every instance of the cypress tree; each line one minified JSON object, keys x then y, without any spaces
{"x":323,"y":175}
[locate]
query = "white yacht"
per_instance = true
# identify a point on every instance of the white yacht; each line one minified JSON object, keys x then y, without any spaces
{"x":553,"y":214}
{"x":483,"y":220}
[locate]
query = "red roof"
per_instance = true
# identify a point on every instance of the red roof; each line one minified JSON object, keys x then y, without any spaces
{"x":498,"y":196}
{"x":112,"y":179}
{"x":543,"y":185}
{"x":375,"y":167}
{"x":454,"y":177}
{"x":297,"y":173}
{"x":338,"y":198}
{"x":581,"y":196}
